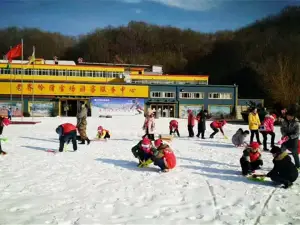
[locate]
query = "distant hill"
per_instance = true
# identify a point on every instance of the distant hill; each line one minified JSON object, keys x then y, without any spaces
{"x":229,"y":57}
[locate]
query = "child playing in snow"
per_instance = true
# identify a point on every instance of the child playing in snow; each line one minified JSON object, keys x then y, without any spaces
{"x":67,"y":132}
{"x":268,"y":128}
{"x":149,"y":125}
{"x":3,"y":122}
{"x":251,"y":159}
{"x":191,"y":123}
{"x":173,"y":126}
{"x":143,"y":152}
{"x":284,"y":171}
{"x":164,"y":156}
{"x":103,"y":133}
{"x":216,"y":125}
{"x":238,"y":139}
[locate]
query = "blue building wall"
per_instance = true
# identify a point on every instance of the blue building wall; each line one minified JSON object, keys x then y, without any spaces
{"x":182,"y":104}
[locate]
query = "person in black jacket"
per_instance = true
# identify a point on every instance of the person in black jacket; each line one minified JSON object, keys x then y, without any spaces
{"x":290,"y":129}
{"x":201,"y":117}
{"x":284,"y":171}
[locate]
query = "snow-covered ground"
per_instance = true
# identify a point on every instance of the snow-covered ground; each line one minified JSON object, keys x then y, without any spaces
{"x":100,"y":183}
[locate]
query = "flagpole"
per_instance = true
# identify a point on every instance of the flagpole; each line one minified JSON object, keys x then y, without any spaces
{"x":32,"y":105}
{"x":10,"y":80}
{"x":22,"y":70}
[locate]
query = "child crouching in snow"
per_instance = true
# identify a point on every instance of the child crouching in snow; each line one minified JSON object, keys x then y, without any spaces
{"x":284,"y":171}
{"x":3,"y":122}
{"x":173,"y":127}
{"x":164,"y":156}
{"x":238,"y":139}
{"x":143,"y":151}
{"x":103,"y":133}
{"x":67,"y":132}
{"x":251,"y":159}
{"x":216,"y":125}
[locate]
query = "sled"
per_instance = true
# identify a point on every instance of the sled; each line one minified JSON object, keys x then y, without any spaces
{"x":166,"y":137}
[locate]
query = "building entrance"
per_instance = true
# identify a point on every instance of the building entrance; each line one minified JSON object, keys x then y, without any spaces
{"x":164,"y":110}
{"x":70,"y":107}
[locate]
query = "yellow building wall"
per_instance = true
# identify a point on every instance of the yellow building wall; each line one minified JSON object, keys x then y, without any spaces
{"x":55,"y":89}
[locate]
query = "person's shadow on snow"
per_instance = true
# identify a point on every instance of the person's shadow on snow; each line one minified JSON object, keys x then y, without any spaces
{"x":130,"y":165}
{"x":211,"y":169}
{"x":207,"y":163}
{"x":35,"y":148}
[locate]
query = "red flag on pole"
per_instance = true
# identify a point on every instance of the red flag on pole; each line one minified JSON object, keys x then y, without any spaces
{"x":14,"y":52}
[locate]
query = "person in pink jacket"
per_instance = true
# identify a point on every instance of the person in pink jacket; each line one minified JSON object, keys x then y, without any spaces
{"x":268,"y":128}
{"x":149,"y":126}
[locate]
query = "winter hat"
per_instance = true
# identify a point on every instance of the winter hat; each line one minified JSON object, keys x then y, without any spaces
{"x":189,"y":111}
{"x":100,"y":128}
{"x":274,"y":116}
{"x":146,"y":143}
{"x":276,"y":150}
{"x":254,"y":145}
{"x":59,"y":130}
{"x":291,"y":112}
{"x":157,"y":143}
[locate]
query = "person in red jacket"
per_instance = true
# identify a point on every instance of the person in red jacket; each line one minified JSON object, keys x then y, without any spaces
{"x":163,"y":156}
{"x":251,"y":159}
{"x":67,"y":132}
{"x":191,"y":123}
{"x":268,"y":128}
{"x":216,"y":125}
{"x":3,"y":122}
{"x":173,"y":126}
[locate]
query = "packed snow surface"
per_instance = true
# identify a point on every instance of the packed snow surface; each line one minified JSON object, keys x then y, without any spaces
{"x":100,"y":183}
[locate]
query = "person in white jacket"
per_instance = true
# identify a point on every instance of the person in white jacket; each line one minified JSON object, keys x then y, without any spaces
{"x":238,"y":139}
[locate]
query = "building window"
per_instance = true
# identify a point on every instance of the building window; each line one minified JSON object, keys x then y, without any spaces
{"x":216,"y":95}
{"x":160,"y":94}
{"x":169,"y":94}
{"x":156,"y":94}
{"x":192,"y":95}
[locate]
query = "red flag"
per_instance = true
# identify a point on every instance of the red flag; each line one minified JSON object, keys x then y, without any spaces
{"x":14,"y":52}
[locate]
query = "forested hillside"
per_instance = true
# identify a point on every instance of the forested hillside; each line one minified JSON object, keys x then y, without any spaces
{"x":262,"y":58}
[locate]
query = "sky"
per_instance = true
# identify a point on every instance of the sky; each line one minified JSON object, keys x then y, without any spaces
{"x":74,"y":17}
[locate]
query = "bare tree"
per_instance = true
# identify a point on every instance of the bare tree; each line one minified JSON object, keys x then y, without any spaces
{"x":280,"y":77}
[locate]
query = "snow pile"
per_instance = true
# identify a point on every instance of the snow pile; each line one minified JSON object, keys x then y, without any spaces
{"x":100,"y":183}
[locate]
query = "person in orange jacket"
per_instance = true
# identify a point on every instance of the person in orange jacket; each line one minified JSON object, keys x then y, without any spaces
{"x":67,"y":132}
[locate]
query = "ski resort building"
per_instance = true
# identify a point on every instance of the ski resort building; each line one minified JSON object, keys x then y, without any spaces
{"x":54,"y":87}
